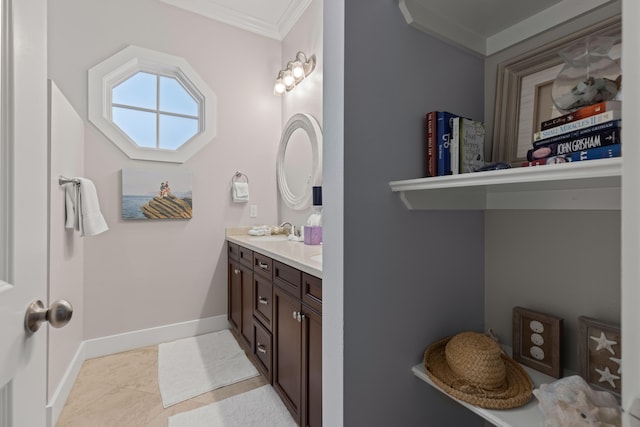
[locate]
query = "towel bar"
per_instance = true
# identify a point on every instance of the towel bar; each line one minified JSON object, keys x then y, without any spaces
{"x":64,"y":180}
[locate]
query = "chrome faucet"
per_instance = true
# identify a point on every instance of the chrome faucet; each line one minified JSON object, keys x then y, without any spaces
{"x":287,"y":226}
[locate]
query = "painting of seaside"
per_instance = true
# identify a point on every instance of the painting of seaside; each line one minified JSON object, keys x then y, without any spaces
{"x":156,"y":194}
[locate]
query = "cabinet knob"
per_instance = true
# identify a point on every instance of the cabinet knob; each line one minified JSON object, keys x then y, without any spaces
{"x":295,"y":315}
{"x":261,"y":348}
{"x":236,"y":271}
{"x":263,"y":300}
{"x":262,"y":265}
{"x":300,"y":317}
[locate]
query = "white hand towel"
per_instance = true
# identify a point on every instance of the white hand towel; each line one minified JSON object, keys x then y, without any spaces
{"x":240,"y":192}
{"x":91,"y":220}
{"x":71,"y":215}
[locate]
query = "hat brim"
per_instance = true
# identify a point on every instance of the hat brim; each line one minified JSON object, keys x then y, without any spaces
{"x":516,"y":391}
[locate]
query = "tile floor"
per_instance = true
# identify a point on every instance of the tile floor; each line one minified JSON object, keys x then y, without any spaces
{"x":122,"y":390}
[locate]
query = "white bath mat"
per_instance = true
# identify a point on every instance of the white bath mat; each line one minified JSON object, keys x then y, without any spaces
{"x":260,"y":407}
{"x":192,"y":366}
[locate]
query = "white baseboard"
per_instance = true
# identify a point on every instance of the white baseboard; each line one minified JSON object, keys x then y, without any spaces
{"x":128,"y":341}
{"x":57,"y":401}
{"x":123,"y":342}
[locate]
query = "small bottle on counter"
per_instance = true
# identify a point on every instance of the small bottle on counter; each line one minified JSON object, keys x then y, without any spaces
{"x":313,"y":229}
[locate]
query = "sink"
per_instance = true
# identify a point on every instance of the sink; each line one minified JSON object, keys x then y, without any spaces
{"x":317,"y":258}
{"x":268,"y":238}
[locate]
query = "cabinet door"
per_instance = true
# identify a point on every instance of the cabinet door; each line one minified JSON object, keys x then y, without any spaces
{"x":262,"y":352}
{"x":263,"y":300}
{"x":234,"y":300}
{"x":287,"y":369}
{"x":247,"y":306}
{"x":312,"y":375}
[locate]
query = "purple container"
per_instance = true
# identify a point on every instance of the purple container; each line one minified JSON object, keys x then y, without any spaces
{"x":312,"y":235}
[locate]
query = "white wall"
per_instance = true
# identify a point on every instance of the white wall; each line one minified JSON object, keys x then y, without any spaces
{"x":142,"y":274}
{"x":305,"y":36}
{"x":66,"y":247}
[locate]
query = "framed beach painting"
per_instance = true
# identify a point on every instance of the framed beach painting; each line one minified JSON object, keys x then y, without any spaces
{"x":156,"y":194}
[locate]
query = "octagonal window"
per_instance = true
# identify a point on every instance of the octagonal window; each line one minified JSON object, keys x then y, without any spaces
{"x":153,"y":106}
{"x":155,"y":111}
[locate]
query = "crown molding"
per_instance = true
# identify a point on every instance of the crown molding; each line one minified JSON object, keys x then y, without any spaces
{"x":275,"y":30}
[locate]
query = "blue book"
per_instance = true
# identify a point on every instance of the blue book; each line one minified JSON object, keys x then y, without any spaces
{"x":582,"y":143}
{"x":613,"y":124}
{"x":443,"y":132}
{"x":578,"y":156}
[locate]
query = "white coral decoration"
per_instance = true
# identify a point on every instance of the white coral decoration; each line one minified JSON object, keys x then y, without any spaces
{"x":570,"y":402}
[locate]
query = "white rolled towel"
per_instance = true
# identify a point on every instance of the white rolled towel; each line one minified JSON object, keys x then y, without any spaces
{"x":87,"y":208}
{"x":240,"y":192}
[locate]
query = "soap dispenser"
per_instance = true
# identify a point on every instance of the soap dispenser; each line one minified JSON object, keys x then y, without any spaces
{"x":313,"y":229}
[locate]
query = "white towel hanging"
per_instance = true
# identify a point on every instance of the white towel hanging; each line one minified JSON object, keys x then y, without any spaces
{"x":240,"y":192}
{"x":82,"y":207}
{"x":239,"y":189}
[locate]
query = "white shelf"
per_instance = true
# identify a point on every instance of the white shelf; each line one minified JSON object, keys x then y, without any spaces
{"x":524,"y":416}
{"x":593,"y":184}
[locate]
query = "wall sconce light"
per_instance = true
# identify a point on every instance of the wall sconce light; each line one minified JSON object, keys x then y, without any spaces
{"x":295,"y":72}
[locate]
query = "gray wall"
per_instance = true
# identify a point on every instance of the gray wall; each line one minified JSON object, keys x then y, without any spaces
{"x":409,"y":277}
{"x":577,"y":275}
{"x":569,"y":277}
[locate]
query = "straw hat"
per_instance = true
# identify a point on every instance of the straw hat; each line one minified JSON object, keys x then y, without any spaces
{"x":472,"y":367}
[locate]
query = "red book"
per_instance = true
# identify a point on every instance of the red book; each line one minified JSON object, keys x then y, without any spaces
{"x":588,"y":111}
{"x":432,"y":152}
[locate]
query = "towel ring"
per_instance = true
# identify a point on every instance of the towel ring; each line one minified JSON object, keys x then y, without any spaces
{"x":239,"y":175}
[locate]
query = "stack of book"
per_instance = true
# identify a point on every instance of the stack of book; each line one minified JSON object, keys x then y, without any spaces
{"x":454,"y":144}
{"x":592,"y":132}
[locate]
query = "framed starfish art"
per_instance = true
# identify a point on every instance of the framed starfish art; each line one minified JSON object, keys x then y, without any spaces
{"x":600,"y":354}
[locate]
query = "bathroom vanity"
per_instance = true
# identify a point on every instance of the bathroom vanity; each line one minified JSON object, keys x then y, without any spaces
{"x":275,"y":312}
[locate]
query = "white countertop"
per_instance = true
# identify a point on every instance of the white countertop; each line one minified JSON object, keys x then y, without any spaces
{"x":307,"y":258}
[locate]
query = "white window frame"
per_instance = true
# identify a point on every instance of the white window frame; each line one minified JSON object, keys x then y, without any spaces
{"x":124,"y":64}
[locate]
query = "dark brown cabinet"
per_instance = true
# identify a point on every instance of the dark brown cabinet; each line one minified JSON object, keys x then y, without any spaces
{"x":297,"y":371}
{"x":240,"y":310}
{"x":276,"y":311}
{"x":312,"y":353}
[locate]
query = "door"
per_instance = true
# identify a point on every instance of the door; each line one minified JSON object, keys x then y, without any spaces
{"x":312,"y":375}
{"x":23,"y":210}
{"x":287,"y":351}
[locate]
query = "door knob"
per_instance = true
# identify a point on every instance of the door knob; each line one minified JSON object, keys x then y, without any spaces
{"x":58,"y":315}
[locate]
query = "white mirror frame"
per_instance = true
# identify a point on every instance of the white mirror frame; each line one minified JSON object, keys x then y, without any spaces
{"x":311,"y":127}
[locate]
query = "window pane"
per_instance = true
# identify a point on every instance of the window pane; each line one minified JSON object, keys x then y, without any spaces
{"x":138,"y":90}
{"x":140,"y":126}
{"x":174,"y":98}
{"x":175,"y":131}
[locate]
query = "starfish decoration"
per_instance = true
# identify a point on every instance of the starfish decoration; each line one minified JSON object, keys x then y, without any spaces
{"x":607,"y":376}
{"x":604,"y":343}
{"x":619,"y":362}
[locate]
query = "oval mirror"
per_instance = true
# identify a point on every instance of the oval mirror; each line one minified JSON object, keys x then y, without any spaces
{"x":299,"y":163}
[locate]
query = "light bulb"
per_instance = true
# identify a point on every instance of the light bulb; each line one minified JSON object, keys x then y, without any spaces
{"x":297,"y":70}
{"x":288,"y":79}
{"x":279,"y":87}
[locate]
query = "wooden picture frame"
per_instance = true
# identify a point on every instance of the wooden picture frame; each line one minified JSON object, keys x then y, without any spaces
{"x":537,"y":340}
{"x":599,"y":354}
{"x":518,"y":82}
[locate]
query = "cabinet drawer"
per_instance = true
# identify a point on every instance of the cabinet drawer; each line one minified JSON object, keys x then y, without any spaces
{"x":233,"y":250}
{"x":245,"y":256}
{"x":263,"y":300}
{"x":262,"y":265}
{"x":312,"y":292}
{"x":262,"y":349}
{"x":288,"y":278}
